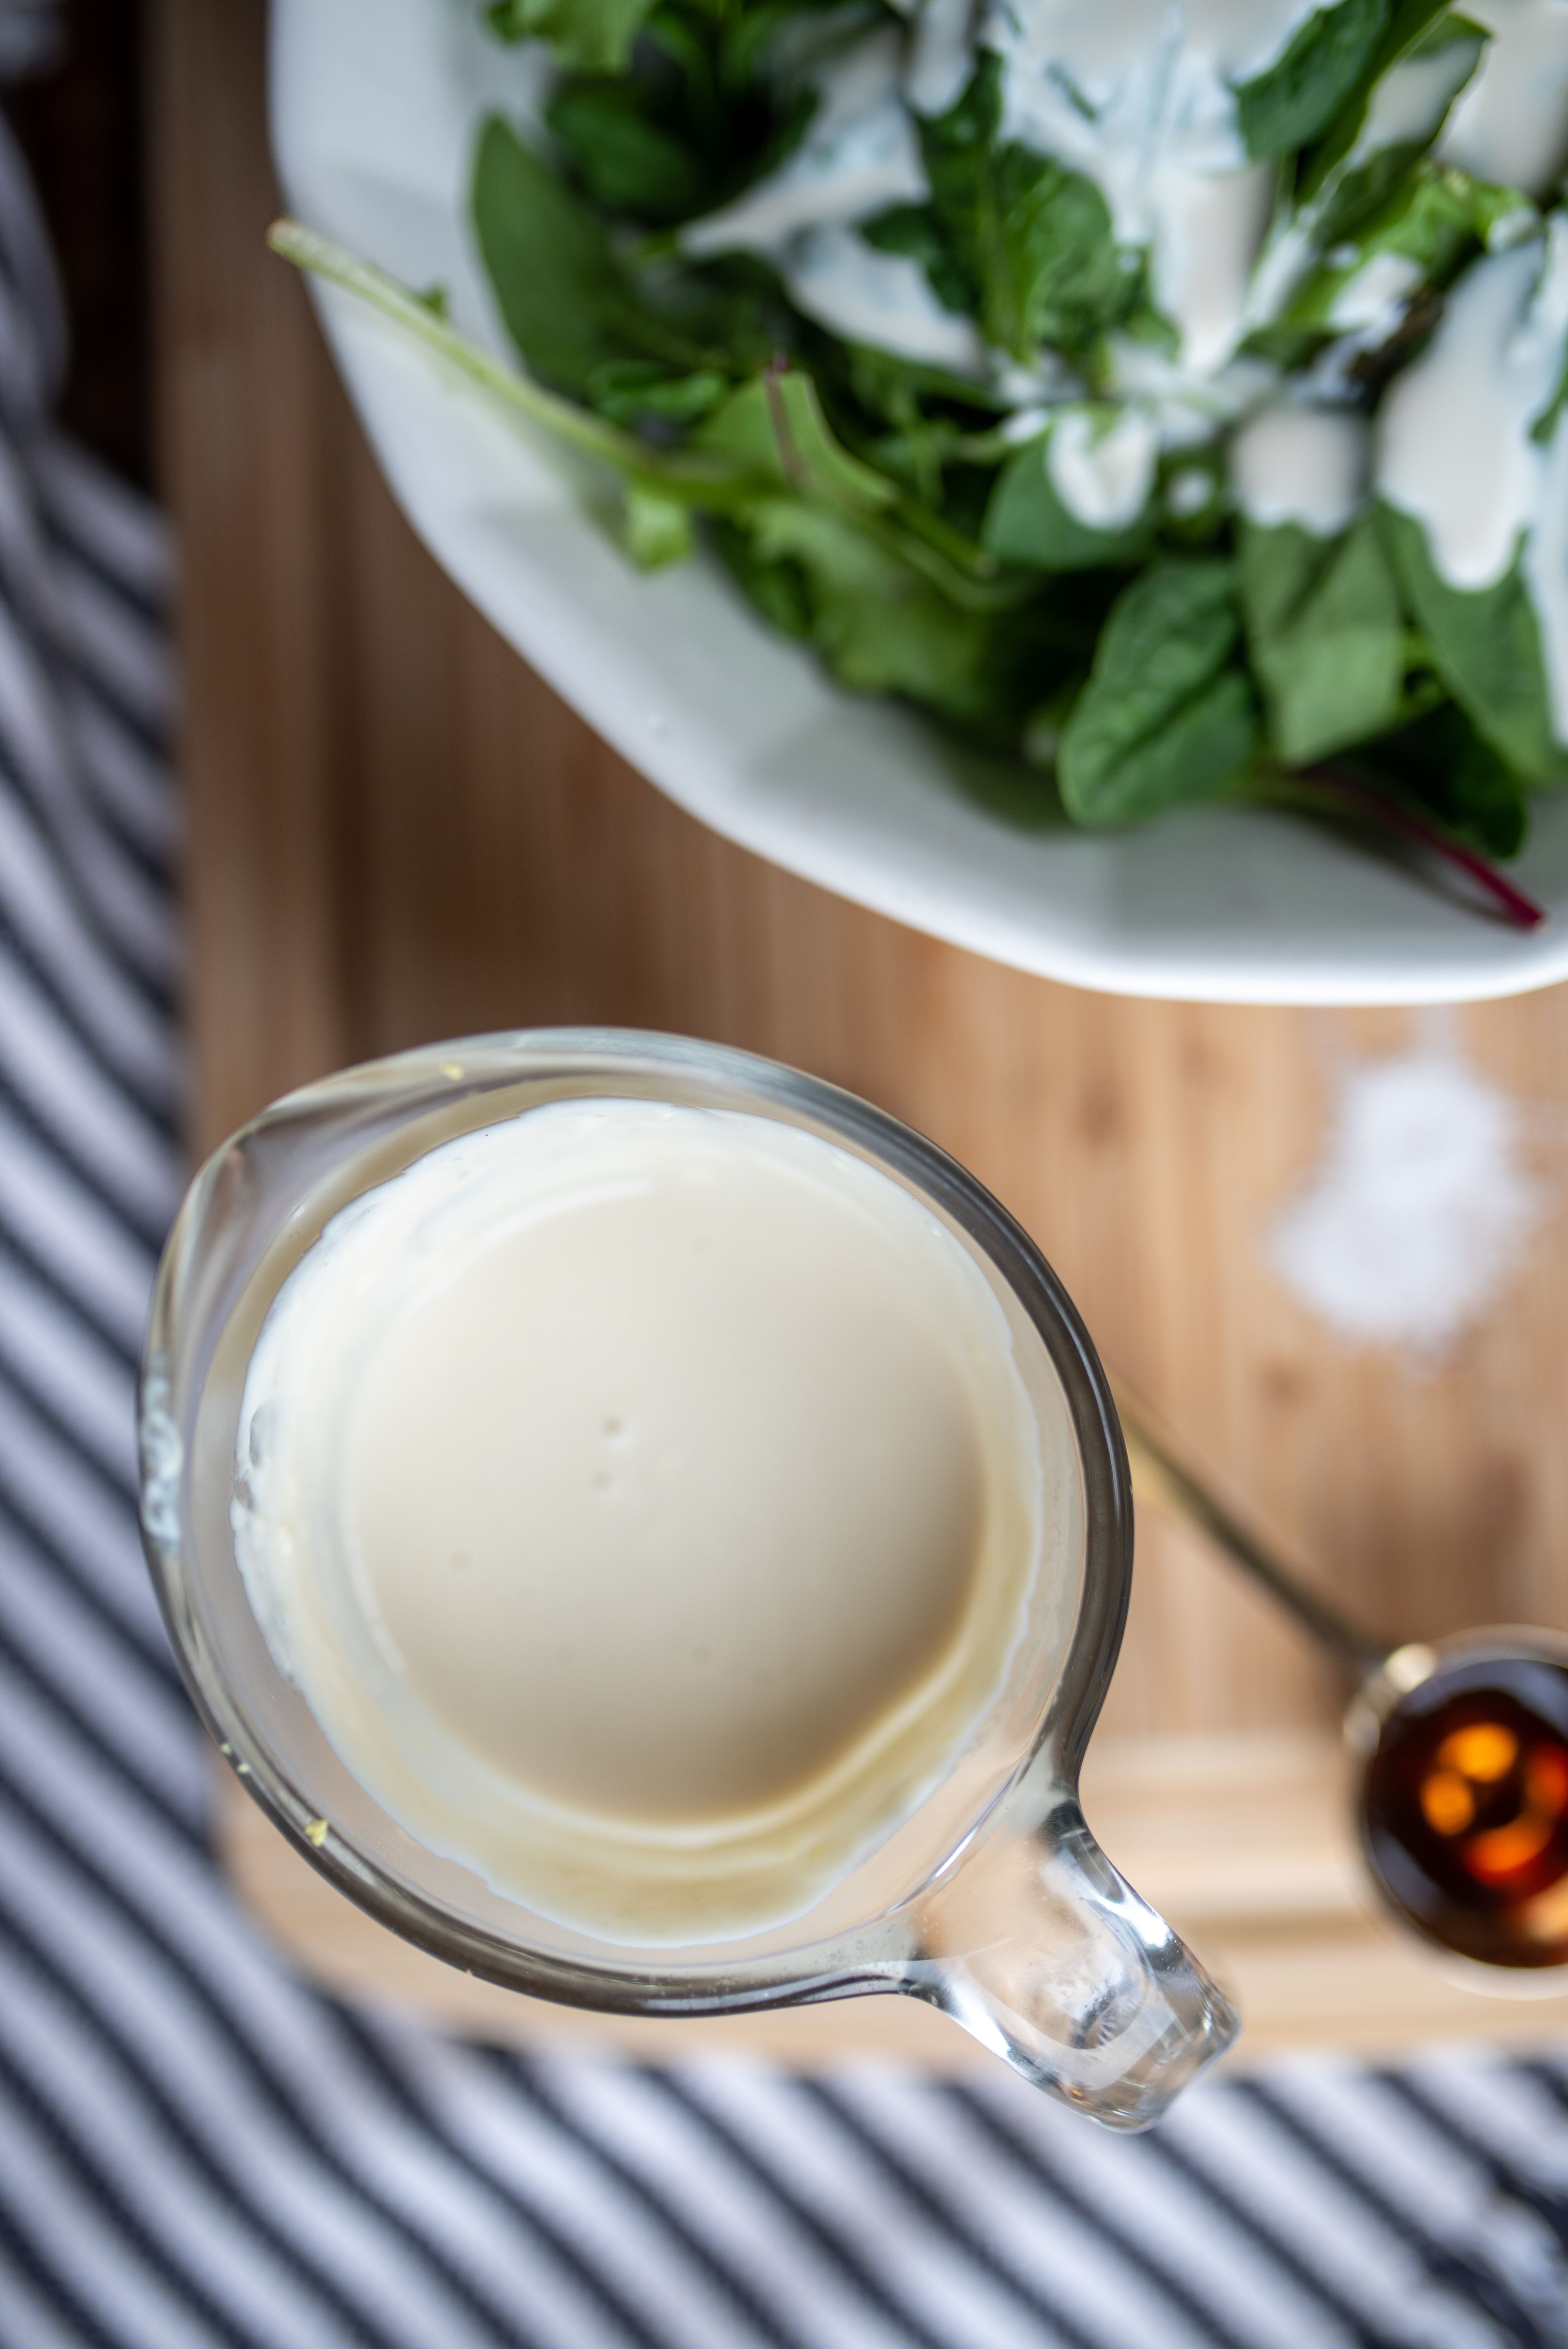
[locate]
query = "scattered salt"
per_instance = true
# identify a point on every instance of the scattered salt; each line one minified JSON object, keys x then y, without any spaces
{"x":1421,"y":1211}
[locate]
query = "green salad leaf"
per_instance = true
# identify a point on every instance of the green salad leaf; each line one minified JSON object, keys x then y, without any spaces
{"x":1414,"y":28}
{"x":1168,"y":714}
{"x":1441,"y":763}
{"x":1009,"y":237}
{"x":1326,"y":635}
{"x":568,"y":305}
{"x":1297,"y":97}
{"x":1026,"y":520}
{"x":595,"y":35}
{"x":1432,"y":217}
{"x":881,"y":628}
{"x":1485,"y":645}
{"x":922,"y":526}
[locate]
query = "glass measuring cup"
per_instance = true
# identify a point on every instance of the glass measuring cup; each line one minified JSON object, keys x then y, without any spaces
{"x":1461,"y":1798}
{"x":991,"y":1901}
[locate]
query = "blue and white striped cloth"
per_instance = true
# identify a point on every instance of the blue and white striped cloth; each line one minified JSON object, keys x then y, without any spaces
{"x":196,"y":2148}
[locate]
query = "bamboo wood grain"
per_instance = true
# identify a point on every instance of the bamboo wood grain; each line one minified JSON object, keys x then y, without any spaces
{"x":397,"y":833}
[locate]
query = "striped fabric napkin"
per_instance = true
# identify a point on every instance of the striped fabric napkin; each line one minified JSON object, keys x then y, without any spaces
{"x":195,"y":2148}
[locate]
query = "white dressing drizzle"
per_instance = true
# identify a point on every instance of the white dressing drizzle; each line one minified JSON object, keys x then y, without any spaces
{"x":942,"y":58}
{"x":1512,"y":124}
{"x":1103,"y":476}
{"x":1139,"y":97}
{"x":1546,"y":575}
{"x":860,"y":155}
{"x":1303,"y":465}
{"x":1209,"y":233}
{"x":1454,"y":449}
{"x":1411,"y":99}
{"x":883,"y":299}
{"x":1373,"y":301}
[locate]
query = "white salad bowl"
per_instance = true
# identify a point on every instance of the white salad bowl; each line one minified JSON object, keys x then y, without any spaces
{"x":374,"y":105}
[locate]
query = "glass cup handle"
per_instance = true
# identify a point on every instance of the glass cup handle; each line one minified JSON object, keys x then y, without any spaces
{"x":1048,"y":1957}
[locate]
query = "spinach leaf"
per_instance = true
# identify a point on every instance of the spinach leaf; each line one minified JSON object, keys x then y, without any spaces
{"x":1026,"y":521}
{"x":1023,"y":245}
{"x":1326,"y":633}
{"x":568,"y":304}
{"x":912,"y":229}
{"x":677,"y":133}
{"x":1447,"y":768}
{"x":1167,"y":716}
{"x":587,"y":36}
{"x":628,"y":160}
{"x":1486,"y":647}
{"x":1296,"y":99}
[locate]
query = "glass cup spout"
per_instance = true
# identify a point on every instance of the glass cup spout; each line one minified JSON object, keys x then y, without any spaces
{"x":1048,"y":1957}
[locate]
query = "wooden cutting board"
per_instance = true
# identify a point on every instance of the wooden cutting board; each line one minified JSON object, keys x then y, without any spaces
{"x":397,"y":832}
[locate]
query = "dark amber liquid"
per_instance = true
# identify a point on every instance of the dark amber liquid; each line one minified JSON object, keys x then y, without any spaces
{"x":1464,"y":1810}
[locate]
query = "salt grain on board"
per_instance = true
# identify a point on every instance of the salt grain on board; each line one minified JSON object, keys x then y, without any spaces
{"x":1422,"y":1209}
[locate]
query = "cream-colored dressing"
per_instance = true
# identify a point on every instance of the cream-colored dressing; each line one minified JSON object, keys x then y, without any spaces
{"x":1103,"y":471}
{"x":1139,"y":97}
{"x":1411,"y":98}
{"x":1546,"y":575}
{"x":1454,"y":446}
{"x":883,"y":299}
{"x":1303,"y":465}
{"x":941,"y":56}
{"x":1208,"y":233}
{"x":860,"y":154}
{"x":646,"y":1501}
{"x":1512,"y":124}
{"x":1372,"y":300}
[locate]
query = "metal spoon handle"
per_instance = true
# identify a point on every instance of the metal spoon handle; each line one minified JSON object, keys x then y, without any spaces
{"x":1163,"y":1480}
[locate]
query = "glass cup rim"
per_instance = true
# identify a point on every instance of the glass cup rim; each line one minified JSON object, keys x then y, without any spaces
{"x":518,"y":1056}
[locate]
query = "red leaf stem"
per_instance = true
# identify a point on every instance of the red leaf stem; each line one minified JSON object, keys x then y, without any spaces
{"x":1357,"y":799}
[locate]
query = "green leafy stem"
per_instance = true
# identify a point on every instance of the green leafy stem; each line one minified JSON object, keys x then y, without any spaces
{"x":808,"y":462}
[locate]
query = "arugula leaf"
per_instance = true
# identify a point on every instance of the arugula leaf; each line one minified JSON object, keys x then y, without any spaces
{"x":1026,"y":521}
{"x":1167,"y":716}
{"x":773,"y":581}
{"x":1025,"y":245}
{"x":881,"y":628}
{"x":626,"y":389}
{"x":1325,"y":634}
{"x":657,"y":530}
{"x":775,"y":426}
{"x":714,"y":484}
{"x":1486,"y":647}
{"x":587,"y":36}
{"x":1296,"y":99}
